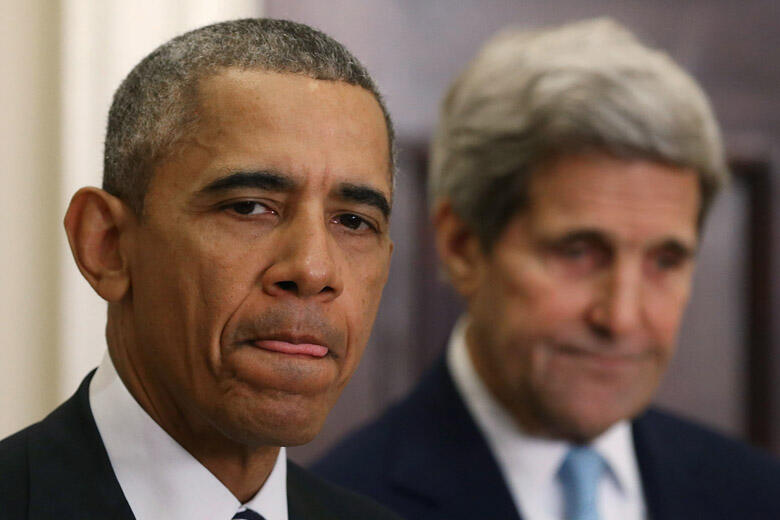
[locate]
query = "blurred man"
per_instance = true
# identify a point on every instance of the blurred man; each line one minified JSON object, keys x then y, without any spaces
{"x":241,"y":242}
{"x":571,"y":172}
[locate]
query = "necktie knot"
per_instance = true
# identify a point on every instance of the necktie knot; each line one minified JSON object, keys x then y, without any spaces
{"x":248,"y":514}
{"x":579,"y":475}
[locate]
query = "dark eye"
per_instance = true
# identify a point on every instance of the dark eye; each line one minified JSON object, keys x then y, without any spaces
{"x":353,"y":222}
{"x":581,"y":256}
{"x":573,"y":251}
{"x":669,"y":259}
{"x":249,"y":207}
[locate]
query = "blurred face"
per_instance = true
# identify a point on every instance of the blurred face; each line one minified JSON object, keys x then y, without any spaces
{"x":577,"y":306}
{"x":257,"y":268}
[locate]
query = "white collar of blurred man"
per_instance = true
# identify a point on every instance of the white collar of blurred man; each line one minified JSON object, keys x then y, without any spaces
{"x":575,"y":307}
{"x":530,"y":465}
{"x":241,"y":299}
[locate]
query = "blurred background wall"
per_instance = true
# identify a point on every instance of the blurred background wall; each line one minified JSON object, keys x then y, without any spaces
{"x":61,"y":61}
{"x":727,"y":360}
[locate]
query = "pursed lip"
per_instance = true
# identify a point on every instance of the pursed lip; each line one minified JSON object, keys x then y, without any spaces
{"x":606,"y":357}
{"x":292,"y":344}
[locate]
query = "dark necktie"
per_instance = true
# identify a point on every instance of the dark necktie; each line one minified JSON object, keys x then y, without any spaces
{"x":248,"y":514}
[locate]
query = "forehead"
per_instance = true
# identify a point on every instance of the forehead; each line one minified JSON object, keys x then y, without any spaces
{"x":313,"y":130}
{"x":628,"y":199}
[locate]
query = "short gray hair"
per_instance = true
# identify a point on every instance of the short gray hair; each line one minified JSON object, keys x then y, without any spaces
{"x":154,"y":108}
{"x":532,"y":96}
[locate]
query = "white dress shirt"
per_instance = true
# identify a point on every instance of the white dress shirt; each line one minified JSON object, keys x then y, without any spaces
{"x":530,"y":464}
{"x":159,"y":478}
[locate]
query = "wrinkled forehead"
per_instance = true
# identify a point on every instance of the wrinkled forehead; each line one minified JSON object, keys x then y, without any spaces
{"x":628,"y":199}
{"x":310,"y":132}
{"x":230,"y":96}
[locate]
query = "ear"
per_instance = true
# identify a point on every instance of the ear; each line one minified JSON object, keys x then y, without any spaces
{"x":94,"y":223}
{"x":459,"y":249}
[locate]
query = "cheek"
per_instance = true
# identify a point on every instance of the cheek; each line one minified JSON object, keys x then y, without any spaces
{"x":360,"y":302}
{"x":370,"y":283}
{"x":194,"y":286}
{"x":535,"y":301}
{"x":664,"y":315}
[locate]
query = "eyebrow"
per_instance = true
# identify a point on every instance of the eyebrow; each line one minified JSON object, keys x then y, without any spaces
{"x":264,"y":180}
{"x":273,"y":181}
{"x":592,"y":236}
{"x":363,"y":194}
{"x":597,"y":236}
{"x":680,"y":247}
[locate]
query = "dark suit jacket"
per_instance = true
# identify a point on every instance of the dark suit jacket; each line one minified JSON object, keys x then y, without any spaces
{"x":58,"y":469}
{"x":426,"y":459}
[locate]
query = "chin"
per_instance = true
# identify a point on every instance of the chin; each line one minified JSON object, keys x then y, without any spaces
{"x":281,"y":422}
{"x":580,"y":407}
{"x":582,"y":420}
{"x":583,"y":429}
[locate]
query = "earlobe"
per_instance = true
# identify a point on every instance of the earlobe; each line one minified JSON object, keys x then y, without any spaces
{"x":459,"y":249}
{"x":94,"y":223}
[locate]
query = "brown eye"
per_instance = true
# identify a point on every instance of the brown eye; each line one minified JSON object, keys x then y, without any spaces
{"x":669,"y":257}
{"x":352,"y":221}
{"x":666,"y":260}
{"x":573,"y":251}
{"x":249,"y":207}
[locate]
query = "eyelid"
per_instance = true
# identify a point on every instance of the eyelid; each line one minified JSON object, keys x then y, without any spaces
{"x":370,"y":223}
{"x":677,"y":255}
{"x":230,"y":204}
{"x":581,"y":244}
{"x":370,"y":214}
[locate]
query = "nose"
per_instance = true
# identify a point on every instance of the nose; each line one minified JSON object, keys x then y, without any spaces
{"x":617,"y":307}
{"x":304,"y":263}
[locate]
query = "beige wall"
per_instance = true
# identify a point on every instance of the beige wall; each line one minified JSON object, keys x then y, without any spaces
{"x":60,"y":63}
{"x":29,"y":222}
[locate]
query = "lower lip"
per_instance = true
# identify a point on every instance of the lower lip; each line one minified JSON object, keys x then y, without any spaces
{"x":283,"y":347}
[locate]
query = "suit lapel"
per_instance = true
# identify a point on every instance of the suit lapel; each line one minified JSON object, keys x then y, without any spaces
{"x":443,"y":453}
{"x":300,"y":506}
{"x":70,"y":474}
{"x":672,"y":480}
{"x":306,"y":500}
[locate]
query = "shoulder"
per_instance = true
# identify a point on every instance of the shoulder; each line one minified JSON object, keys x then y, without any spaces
{"x":21,"y":463}
{"x":58,"y":467}
{"x":13,"y":453}
{"x":14,"y":475}
{"x":699,"y":443}
{"x":308,"y":492}
{"x":363,"y":459}
{"x":727,"y":474}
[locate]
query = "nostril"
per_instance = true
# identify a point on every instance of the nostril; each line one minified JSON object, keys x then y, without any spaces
{"x":601,"y":331}
{"x":327,"y":289}
{"x":288,"y":286}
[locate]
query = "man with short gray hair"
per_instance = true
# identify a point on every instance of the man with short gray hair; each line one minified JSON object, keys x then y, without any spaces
{"x":241,"y":241}
{"x":571,"y":171}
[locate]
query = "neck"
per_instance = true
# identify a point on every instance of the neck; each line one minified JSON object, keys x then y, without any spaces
{"x":241,"y":467}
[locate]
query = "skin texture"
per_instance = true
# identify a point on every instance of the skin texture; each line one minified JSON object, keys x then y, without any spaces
{"x":576,"y":308}
{"x":264,"y":229}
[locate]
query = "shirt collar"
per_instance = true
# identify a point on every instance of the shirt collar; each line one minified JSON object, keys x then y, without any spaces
{"x":530,"y":464}
{"x":159,"y":478}
{"x":616,"y":445}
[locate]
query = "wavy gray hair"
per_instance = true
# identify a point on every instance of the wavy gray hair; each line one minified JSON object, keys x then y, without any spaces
{"x":531,"y":96}
{"x":154,"y":107}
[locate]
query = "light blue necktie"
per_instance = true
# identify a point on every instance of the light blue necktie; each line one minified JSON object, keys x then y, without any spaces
{"x":580,"y":474}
